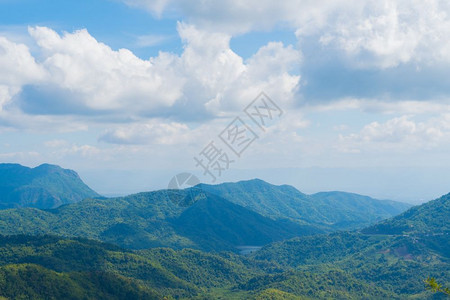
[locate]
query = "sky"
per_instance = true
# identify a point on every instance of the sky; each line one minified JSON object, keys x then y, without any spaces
{"x":324,"y":95}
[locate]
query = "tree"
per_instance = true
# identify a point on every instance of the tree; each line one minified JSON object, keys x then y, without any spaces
{"x":433,"y":285}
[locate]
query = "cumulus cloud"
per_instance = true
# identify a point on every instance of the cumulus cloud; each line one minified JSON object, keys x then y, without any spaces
{"x":228,"y":82}
{"x":103,"y":79}
{"x":235,"y":16}
{"x":78,"y":75}
{"x":407,"y":107}
{"x":400,"y":133}
{"x":389,"y":33}
{"x":380,"y":33}
{"x":151,"y":132}
{"x":17,"y":68}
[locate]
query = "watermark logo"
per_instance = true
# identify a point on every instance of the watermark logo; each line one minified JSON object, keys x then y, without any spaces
{"x":182,"y":189}
{"x":263,"y":111}
{"x":237,"y":137}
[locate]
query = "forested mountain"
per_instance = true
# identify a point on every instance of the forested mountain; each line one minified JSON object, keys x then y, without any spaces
{"x":397,"y":264}
{"x":46,"y":186}
{"x":327,"y":210}
{"x":216,"y":223}
{"x":154,"y":219}
{"x":337,"y":266}
{"x":160,"y":218}
{"x":431,"y":218}
{"x":396,"y":255}
{"x":200,"y":217}
{"x":300,"y":259}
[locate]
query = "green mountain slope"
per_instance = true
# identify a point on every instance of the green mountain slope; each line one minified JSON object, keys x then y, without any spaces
{"x":393,"y":263}
{"x":153,"y":220}
{"x":432,"y":218}
{"x":29,"y":281}
{"x":96,"y":266}
{"x":392,"y":259}
{"x":137,"y":221}
{"x":328,"y":284}
{"x":340,"y":265}
{"x":46,"y":186}
{"x":49,"y":267}
{"x":178,"y":219}
{"x":216,"y":223}
{"x":330,"y":210}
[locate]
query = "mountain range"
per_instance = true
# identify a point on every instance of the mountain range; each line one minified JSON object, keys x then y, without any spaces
{"x":46,"y":186}
{"x":206,"y":217}
{"x":340,"y":265}
{"x":326,"y":210}
{"x":184,"y":244}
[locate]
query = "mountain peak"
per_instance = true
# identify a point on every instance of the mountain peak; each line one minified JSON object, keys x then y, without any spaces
{"x":45,"y":186}
{"x":46,"y":166}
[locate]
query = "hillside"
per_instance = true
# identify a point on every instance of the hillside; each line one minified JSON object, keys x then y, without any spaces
{"x":328,"y":210}
{"x":216,"y":223}
{"x":153,"y":220}
{"x":30,"y":281}
{"x":430,"y":218}
{"x":340,"y":265}
{"x":397,"y":254}
{"x":46,"y":266}
{"x":249,"y":213}
{"x":46,"y":186}
{"x":83,"y":269}
{"x":37,"y":267}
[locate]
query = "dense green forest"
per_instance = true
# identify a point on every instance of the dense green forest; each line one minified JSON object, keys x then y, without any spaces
{"x":183,"y":244}
{"x":326,"y":210}
{"x":222,"y":217}
{"x":340,"y":265}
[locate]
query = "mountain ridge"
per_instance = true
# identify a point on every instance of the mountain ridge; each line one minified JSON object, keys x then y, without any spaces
{"x":340,"y":210}
{"x":45,"y":186}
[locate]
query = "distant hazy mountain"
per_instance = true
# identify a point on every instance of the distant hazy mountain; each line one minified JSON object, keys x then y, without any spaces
{"x":46,"y":186}
{"x":331,"y":210}
{"x":222,"y":217}
{"x":389,"y":260}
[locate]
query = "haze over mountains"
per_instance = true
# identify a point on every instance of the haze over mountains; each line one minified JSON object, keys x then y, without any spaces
{"x":220,"y":217}
{"x":328,"y":210}
{"x":341,"y":265}
{"x":183,"y":244}
{"x":46,"y":186}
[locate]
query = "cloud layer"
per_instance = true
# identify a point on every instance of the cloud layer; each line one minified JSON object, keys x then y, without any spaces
{"x":76,"y":74}
{"x":379,"y":33}
{"x":365,"y":77}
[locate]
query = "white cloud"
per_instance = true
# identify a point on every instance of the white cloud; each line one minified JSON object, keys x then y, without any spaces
{"x":379,"y":33}
{"x":398,"y":134}
{"x":104,"y":79}
{"x":154,"y":6}
{"x":236,"y":16}
{"x":17,"y":68}
{"x":392,"y":32}
{"x":151,"y":132}
{"x":56,"y":143}
{"x":151,"y":40}
{"x":227,"y":83}
{"x":407,"y":107}
{"x":78,"y":75}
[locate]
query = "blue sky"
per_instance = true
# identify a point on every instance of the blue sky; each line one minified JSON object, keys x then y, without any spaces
{"x":128,"y":92}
